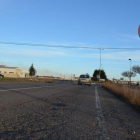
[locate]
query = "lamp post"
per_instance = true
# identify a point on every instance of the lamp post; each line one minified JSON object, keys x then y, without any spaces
{"x":100,"y":63}
{"x":130,"y":73}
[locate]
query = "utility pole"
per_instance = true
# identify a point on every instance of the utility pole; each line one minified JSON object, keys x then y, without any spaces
{"x":100,"y":63}
{"x":130,"y":73}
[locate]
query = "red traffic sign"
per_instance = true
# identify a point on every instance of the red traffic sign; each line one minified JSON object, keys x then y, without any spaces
{"x":139,"y":30}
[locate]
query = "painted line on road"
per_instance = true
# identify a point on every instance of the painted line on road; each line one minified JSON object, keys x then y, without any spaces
{"x":23,"y":88}
{"x":100,"y":118}
{"x":29,"y":88}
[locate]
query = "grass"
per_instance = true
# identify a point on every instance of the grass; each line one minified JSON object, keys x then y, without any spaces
{"x":132,"y":95}
{"x":7,"y":80}
{"x":26,"y":80}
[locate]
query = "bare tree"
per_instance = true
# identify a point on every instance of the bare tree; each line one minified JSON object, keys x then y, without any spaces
{"x":128,"y":75}
{"x":136,"y":69}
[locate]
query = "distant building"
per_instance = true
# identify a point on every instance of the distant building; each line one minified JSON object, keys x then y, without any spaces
{"x":13,"y":72}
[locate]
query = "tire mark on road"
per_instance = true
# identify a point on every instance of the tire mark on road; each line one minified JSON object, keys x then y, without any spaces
{"x":100,"y":118}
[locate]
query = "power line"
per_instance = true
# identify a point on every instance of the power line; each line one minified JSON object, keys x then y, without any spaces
{"x":62,"y":46}
{"x":44,"y":45}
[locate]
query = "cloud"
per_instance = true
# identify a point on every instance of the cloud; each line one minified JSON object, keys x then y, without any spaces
{"x":123,"y":55}
{"x":40,"y":63}
{"x":33,"y":53}
{"x":135,"y":37}
{"x":126,"y":37}
{"x":134,"y":55}
{"x":46,"y":52}
{"x":122,"y":36}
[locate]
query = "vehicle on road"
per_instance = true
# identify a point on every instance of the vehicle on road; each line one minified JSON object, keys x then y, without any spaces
{"x":1,"y":76}
{"x":84,"y":79}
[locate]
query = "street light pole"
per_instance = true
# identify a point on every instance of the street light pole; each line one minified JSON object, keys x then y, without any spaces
{"x":100,"y":63}
{"x":130,"y":73}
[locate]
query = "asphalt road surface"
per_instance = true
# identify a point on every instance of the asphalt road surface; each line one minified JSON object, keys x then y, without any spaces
{"x":65,"y":111}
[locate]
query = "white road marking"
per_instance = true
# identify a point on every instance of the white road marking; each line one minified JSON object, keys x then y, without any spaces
{"x":28,"y":88}
{"x":100,"y":118}
{"x":24,"y":88}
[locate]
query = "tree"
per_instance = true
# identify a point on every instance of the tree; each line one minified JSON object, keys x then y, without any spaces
{"x":96,"y":72}
{"x":136,"y":69}
{"x":102,"y":74}
{"x":32,"y":70}
{"x":128,"y":75}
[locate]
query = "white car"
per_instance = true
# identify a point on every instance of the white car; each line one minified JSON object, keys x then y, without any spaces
{"x":84,"y":79}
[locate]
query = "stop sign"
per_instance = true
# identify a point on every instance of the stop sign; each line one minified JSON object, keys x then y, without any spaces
{"x":139,"y":30}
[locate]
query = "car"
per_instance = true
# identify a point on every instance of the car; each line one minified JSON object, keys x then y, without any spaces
{"x":1,"y":76}
{"x":84,"y":79}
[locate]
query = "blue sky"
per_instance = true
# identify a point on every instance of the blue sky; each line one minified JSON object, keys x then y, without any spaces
{"x":100,"y":24}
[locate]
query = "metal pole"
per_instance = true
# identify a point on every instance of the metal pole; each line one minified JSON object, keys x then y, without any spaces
{"x":100,"y":65}
{"x":130,"y":74}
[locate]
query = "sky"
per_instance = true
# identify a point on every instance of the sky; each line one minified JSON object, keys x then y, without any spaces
{"x":88,"y":23}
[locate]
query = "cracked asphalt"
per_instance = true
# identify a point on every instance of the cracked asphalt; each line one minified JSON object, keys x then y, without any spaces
{"x":65,"y":111}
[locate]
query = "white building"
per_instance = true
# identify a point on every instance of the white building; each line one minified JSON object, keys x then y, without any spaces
{"x":13,"y":72}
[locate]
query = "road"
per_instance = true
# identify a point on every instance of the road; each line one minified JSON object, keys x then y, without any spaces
{"x":65,"y":111}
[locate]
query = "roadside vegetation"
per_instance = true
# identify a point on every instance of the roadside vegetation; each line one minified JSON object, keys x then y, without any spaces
{"x":131,"y":95}
{"x":97,"y":73}
{"x":96,"y":81}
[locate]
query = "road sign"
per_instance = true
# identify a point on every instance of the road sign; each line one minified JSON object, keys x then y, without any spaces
{"x":98,"y":76}
{"x":139,"y":30}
